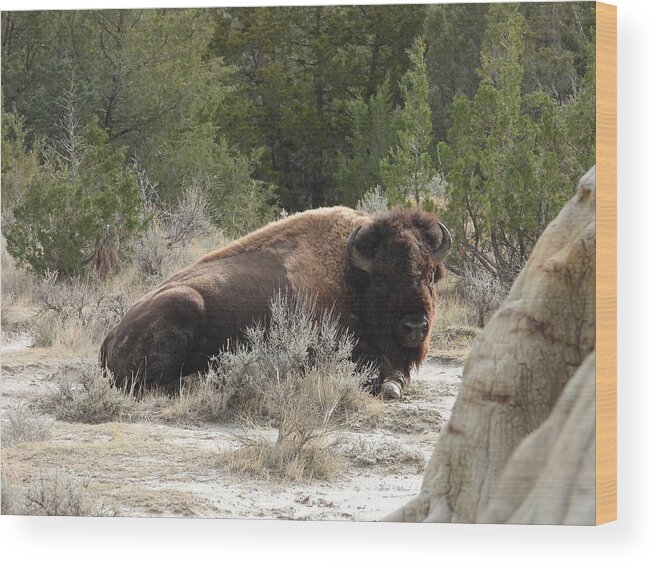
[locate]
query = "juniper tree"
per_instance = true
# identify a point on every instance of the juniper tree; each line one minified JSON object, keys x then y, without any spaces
{"x":407,"y":169}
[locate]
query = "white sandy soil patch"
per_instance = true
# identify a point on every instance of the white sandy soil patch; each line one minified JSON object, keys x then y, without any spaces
{"x":156,"y":469}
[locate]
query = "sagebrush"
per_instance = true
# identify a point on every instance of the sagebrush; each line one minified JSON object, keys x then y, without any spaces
{"x":295,"y":372}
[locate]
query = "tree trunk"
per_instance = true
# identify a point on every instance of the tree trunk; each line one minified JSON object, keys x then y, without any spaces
{"x":490,"y":464}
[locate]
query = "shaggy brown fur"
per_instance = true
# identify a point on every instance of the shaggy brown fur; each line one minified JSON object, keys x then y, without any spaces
{"x":173,"y":330}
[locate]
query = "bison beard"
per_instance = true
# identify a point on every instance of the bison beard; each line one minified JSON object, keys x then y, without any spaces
{"x":377,"y":273}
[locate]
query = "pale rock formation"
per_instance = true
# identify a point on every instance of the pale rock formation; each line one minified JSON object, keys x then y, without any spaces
{"x":519,"y":446}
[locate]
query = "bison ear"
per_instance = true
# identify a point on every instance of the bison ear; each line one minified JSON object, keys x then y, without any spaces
{"x":440,"y":252}
{"x":355,"y":256}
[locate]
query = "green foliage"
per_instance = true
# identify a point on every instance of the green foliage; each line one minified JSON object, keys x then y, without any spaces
{"x":374,"y":127}
{"x":407,"y":169}
{"x":504,"y":157}
{"x":557,"y":44}
{"x":19,"y":165}
{"x":296,"y":72}
{"x":140,"y":72}
{"x":454,"y":33}
{"x":243,"y":204}
{"x":72,"y":202}
{"x":296,"y":107}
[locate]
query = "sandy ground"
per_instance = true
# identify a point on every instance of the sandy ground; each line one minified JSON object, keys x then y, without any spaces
{"x":155,"y":469}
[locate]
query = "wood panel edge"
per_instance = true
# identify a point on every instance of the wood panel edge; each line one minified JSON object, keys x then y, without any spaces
{"x":606,"y":261}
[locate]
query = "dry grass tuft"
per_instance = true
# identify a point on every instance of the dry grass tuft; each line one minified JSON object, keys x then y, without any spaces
{"x":200,"y":400}
{"x":261,"y":457}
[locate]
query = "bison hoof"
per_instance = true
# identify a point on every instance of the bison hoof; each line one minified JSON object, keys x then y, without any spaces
{"x":392,"y":390}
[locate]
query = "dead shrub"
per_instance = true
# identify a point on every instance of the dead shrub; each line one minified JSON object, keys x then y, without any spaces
{"x":74,"y":313}
{"x":57,"y":494}
{"x":171,"y":230}
{"x":484,"y":292}
{"x":22,"y":424}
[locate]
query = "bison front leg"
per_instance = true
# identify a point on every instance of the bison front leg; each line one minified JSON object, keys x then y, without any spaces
{"x":387,"y":381}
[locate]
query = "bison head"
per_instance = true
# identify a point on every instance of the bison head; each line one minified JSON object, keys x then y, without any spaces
{"x":395,"y":262}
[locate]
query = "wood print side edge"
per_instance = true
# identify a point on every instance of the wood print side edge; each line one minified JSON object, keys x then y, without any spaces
{"x":606,"y":276}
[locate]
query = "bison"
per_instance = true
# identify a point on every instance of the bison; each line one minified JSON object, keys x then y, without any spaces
{"x":377,"y":273}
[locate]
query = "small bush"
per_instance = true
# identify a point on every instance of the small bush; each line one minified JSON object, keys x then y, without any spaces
{"x":76,"y":312}
{"x":22,"y":425}
{"x":297,"y":349}
{"x":374,"y":201}
{"x":453,"y":333}
{"x":171,"y":230}
{"x":297,"y":374}
{"x":86,"y":395}
{"x":484,"y":292}
{"x":57,"y":494}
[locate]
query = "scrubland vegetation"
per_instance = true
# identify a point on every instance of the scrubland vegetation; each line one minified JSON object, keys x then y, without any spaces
{"x":133,"y":142}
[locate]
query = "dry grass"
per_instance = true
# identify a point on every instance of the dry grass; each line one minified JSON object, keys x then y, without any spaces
{"x":391,"y":454}
{"x":453,"y":333}
{"x":53,"y":493}
{"x":115,"y":452}
{"x":200,"y":400}
{"x":261,"y":457}
{"x":412,"y":420}
{"x":18,"y":288}
{"x":11,"y":501}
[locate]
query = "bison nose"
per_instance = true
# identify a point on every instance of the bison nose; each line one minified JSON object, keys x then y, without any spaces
{"x":413,"y":328}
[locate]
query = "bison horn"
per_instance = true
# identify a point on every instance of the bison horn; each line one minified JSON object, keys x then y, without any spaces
{"x":443,"y":250}
{"x":356,"y":258}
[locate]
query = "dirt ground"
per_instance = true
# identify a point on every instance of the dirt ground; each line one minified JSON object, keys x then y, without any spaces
{"x":157,"y":469}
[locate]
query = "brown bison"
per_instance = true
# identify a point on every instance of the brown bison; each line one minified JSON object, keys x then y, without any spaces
{"x":378,"y":273}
